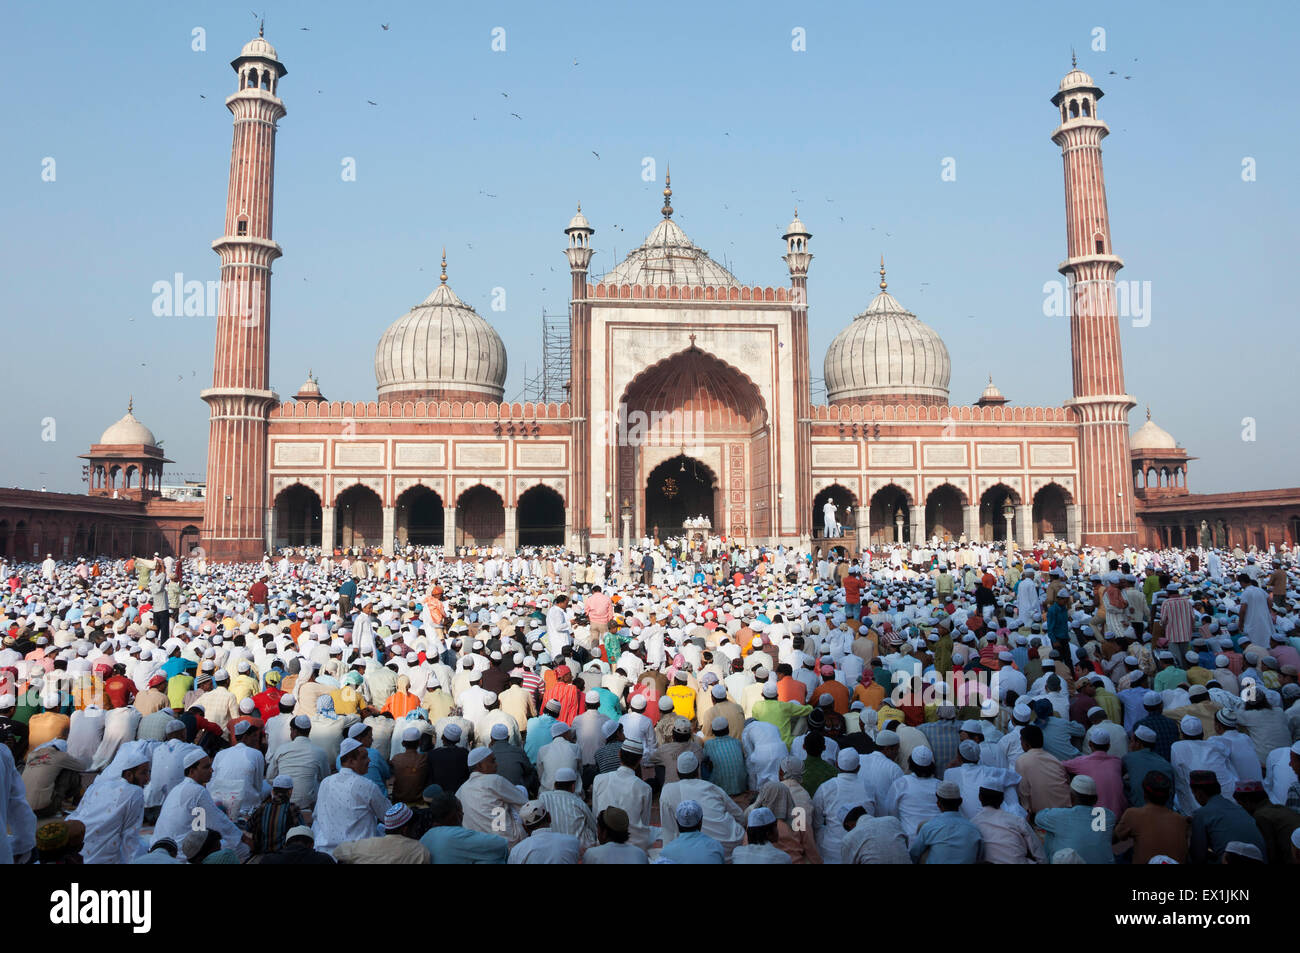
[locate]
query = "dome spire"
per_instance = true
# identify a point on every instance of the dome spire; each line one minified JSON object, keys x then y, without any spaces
{"x":668,"y":192}
{"x":883,"y":284}
{"x":130,"y":406}
{"x":444,"y":264}
{"x":1074,"y":60}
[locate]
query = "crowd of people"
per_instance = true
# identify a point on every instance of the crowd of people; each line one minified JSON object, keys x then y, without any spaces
{"x":705,"y":702}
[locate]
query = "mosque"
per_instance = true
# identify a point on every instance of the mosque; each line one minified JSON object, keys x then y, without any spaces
{"x":689,"y":403}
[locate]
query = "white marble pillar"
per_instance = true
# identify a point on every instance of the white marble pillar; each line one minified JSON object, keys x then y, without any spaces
{"x":970,"y":516}
{"x":449,"y":530}
{"x":918,"y":524}
{"x":1072,"y":523}
{"x":512,"y":530}
{"x":327,"y":528}
{"x":1025,"y":525}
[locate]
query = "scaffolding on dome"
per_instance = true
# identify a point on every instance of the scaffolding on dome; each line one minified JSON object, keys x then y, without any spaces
{"x":550,"y":385}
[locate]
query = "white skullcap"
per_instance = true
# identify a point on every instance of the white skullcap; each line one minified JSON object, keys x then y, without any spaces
{"x":500,"y":732}
{"x":174,"y":725}
{"x":479,"y":755}
{"x":193,"y":758}
{"x":1083,"y":784}
{"x":847,"y":760}
{"x":247,"y":706}
{"x":1191,"y":726}
{"x":301,"y":722}
{"x":1146,"y":733}
{"x":557,"y":729}
{"x":282,"y":781}
{"x":565,"y":776}
{"x":638,"y":703}
{"x":243,"y":728}
{"x":921,"y":755}
{"x":593,"y":697}
{"x":1099,"y":736}
{"x":357,"y":730}
{"x":719,"y":724}
{"x":719,"y":692}
{"x":687,"y":762}
{"x":769,"y":690}
{"x":886,"y":738}
{"x":411,"y":733}
{"x":665,"y":703}
{"x":349,"y":745}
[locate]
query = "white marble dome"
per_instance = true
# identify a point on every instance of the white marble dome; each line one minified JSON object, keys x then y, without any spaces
{"x":258,"y":46}
{"x":667,"y":257}
{"x":1151,"y":437}
{"x":128,"y":432}
{"x":441,"y":349}
{"x":887,"y":353}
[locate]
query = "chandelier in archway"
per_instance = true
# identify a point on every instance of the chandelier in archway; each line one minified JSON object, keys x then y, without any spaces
{"x":669,"y":488}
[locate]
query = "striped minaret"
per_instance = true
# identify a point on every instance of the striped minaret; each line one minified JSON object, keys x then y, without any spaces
{"x":234,"y":517}
{"x":797,"y":259}
{"x":579,"y":252}
{"x":1100,"y":402}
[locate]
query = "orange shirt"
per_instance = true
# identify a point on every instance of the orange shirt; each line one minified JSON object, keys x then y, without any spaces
{"x":870,"y":695}
{"x":400,"y":704}
{"x":790,"y":689}
{"x":838,"y":692}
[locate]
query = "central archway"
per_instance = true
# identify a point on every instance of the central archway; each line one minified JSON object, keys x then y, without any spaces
{"x":698,"y":409}
{"x":996,"y":520}
{"x":679,"y":489}
{"x":944,"y":511}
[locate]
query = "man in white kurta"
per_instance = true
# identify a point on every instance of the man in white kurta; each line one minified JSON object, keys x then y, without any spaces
{"x":189,"y":806}
{"x":625,"y":790}
{"x":489,"y":802}
{"x":724,"y":821}
{"x":241,"y":768}
{"x":349,"y":806}
{"x":834,"y":799}
{"x":113,"y":809}
{"x":303,"y":760}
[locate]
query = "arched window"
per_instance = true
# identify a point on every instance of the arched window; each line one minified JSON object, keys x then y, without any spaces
{"x":1086,"y":111}
{"x":1074,"y":109}
{"x":1101,"y":245}
{"x":266,"y":80}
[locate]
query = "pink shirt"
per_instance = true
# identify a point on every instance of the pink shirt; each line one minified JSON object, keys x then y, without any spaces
{"x":600,"y":608}
{"x":1107,"y":771}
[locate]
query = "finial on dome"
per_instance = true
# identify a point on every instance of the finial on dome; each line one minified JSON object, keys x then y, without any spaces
{"x":990,"y":378}
{"x":261,"y":28}
{"x":1148,"y":411}
{"x":1074,"y":61}
{"x":579,"y":208}
{"x":130,"y":404}
{"x":883,"y":285}
{"x":444,"y":264}
{"x":668,"y":192}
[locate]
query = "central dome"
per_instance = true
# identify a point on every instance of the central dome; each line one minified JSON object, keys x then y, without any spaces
{"x":887,"y":355}
{"x":440,"y":350}
{"x":667,"y":257}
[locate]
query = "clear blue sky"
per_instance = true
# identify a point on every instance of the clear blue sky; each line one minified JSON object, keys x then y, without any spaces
{"x":854,"y":129}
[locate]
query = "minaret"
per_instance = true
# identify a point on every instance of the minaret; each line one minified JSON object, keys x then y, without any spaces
{"x":240,"y":397}
{"x":797,"y":258}
{"x":1100,"y":402}
{"x":579,"y":254}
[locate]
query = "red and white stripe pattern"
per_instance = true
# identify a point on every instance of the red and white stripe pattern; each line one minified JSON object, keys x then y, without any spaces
{"x":235,"y":512}
{"x":1100,"y":402}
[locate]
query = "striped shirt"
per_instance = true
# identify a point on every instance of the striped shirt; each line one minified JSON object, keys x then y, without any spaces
{"x":728,"y":760}
{"x":1176,"y":617}
{"x":570,"y":815}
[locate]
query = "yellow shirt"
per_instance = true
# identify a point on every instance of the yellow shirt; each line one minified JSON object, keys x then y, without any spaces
{"x":243,"y":686}
{"x":683,"y":701}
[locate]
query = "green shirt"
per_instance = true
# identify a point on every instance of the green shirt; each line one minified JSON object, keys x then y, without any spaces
{"x":781,"y":714}
{"x":817,"y":771}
